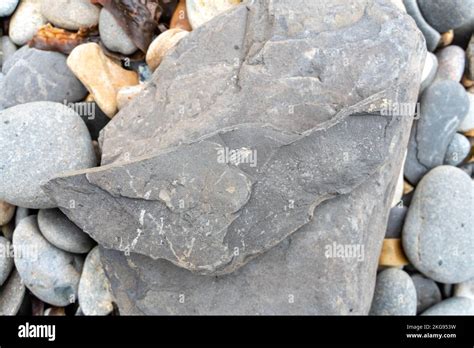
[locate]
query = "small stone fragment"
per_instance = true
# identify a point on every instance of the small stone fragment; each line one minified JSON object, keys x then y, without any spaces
{"x":12,"y":294}
{"x":113,"y":36}
{"x":392,"y":253}
{"x":451,"y":63}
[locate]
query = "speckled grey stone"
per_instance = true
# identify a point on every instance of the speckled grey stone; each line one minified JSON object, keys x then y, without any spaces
{"x":438,"y":235}
{"x":432,"y":37}
{"x":95,"y":293}
{"x":71,"y":15}
{"x":395,"y":222}
{"x":457,"y":151}
{"x":452,"y":306}
{"x":443,"y":107}
{"x":112,"y":34}
{"x":427,"y":292}
{"x":465,"y":289}
{"x":395,"y":294}
{"x":49,"y":273}
{"x":445,"y":15}
{"x":451,"y":63}
{"x":62,"y":233}
{"x":6,"y":259}
{"x":7,"y":7}
{"x":35,"y":75}
{"x":37,"y":141}
{"x":12,"y":294}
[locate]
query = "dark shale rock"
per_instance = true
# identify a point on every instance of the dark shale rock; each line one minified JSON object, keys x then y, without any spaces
{"x":167,"y":191}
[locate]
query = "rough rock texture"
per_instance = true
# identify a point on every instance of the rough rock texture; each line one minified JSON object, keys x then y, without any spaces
{"x":163,"y":176}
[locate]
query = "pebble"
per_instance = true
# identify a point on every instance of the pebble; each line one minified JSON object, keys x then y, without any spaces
{"x":26,"y":21}
{"x":163,"y":45}
{"x":470,"y":58}
{"x":49,"y":273}
{"x":95,"y":293}
{"x":71,"y":15}
{"x":451,"y":63}
{"x":7,"y":7}
{"x":392,"y":254}
{"x":126,"y":94}
{"x":444,"y":105}
{"x":102,"y":76}
{"x":429,"y":71}
{"x":445,"y":15}
{"x":438,"y":235}
{"x":465,"y":289}
{"x":458,"y":150}
{"x":62,"y":233}
{"x":200,"y":12}
{"x":35,"y":75}
{"x":21,"y":213}
{"x":12,"y":294}
{"x":6,"y":260}
{"x":432,"y":37}
{"x":6,"y":212}
{"x":452,"y":306}
{"x":396,"y":219}
{"x":395,"y":294}
{"x":468,"y":123}
{"x":37,"y":142}
{"x":427,"y":292}
{"x":8,"y":48}
{"x":112,"y":34}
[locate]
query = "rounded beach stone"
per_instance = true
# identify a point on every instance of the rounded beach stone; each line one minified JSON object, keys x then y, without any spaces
{"x":6,"y":212}
{"x":95,"y":293}
{"x":6,"y":259}
{"x":438,"y":234}
{"x":458,"y":150}
{"x":26,"y":21}
{"x":445,"y":15}
{"x":452,"y":306}
{"x":112,"y":34}
{"x":71,"y":15}
{"x":7,"y":7}
{"x":8,"y":48}
{"x":395,"y":294}
{"x":12,"y":294}
{"x":37,"y":142}
{"x":432,"y":37}
{"x":49,"y":273}
{"x":396,"y":219}
{"x":451,"y":63}
{"x":62,"y":233}
{"x":427,"y":292}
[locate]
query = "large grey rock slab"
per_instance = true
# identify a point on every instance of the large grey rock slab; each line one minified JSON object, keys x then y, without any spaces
{"x":316,"y":136}
{"x":34,"y":75}
{"x":38,"y":141}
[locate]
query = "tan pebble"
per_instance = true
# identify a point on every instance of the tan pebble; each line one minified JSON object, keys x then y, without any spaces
{"x":469,"y":133}
{"x":162,"y":45}
{"x":6,"y":212}
{"x":89,"y":98}
{"x":447,"y":38}
{"x":126,"y":94}
{"x":180,"y":17}
{"x":101,"y":75}
{"x":466,"y":82}
{"x":392,"y":253}
{"x":202,"y":11}
{"x":407,"y":187}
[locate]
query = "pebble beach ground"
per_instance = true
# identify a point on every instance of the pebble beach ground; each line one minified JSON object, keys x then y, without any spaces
{"x":69,"y":67}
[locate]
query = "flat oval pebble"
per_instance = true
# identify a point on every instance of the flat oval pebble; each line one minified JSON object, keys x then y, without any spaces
{"x":37,"y":142}
{"x":438,"y":235}
{"x":432,"y":37}
{"x":200,"y":12}
{"x":468,"y":123}
{"x":451,"y":63}
{"x":458,"y":150}
{"x":26,"y":21}
{"x":6,"y":259}
{"x":444,"y":105}
{"x":452,"y":306}
{"x":95,"y":293}
{"x":12,"y":294}
{"x":465,"y":289}
{"x":427,"y":292}
{"x":35,"y":75}
{"x":7,"y":7}
{"x":6,"y":212}
{"x":395,"y":294}
{"x":71,"y":15}
{"x":49,"y":273}
{"x":444,"y":15}
{"x":62,"y":233}
{"x":112,"y":34}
